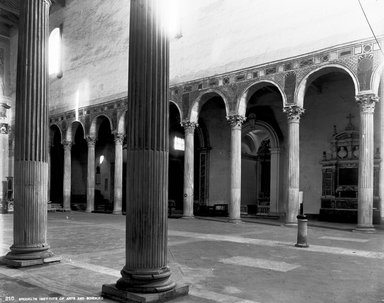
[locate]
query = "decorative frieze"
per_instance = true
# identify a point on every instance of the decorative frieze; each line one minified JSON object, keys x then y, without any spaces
{"x":294,"y":112}
{"x":367,"y":102}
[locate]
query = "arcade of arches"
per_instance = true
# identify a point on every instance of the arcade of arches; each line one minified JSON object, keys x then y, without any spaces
{"x":250,"y":134}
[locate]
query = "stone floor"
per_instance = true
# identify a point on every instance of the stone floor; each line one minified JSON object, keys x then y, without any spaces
{"x":223,"y":262}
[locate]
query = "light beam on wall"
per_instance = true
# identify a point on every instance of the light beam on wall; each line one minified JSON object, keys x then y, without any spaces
{"x":101,"y":159}
{"x":55,"y":52}
{"x":172,"y":13}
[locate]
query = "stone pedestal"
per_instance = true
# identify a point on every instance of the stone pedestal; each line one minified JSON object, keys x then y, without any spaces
{"x":366,"y":163}
{"x":118,"y":194}
{"x":67,"y":176}
{"x":235,"y":197}
{"x":31,"y":139}
{"x":294,"y":113}
{"x":189,"y":128}
{"x":91,"y":175}
{"x":146,"y":271}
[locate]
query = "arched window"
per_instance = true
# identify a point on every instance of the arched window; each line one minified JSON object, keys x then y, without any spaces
{"x":55,"y":52}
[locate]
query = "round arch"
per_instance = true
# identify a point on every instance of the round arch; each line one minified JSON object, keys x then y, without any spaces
{"x":301,"y":88}
{"x":70,"y":134}
{"x":52,"y":129}
{"x":178,"y":108}
{"x":194,"y":112}
{"x":249,"y":127}
{"x":378,"y":74}
{"x":93,"y":130}
{"x":241,"y":106}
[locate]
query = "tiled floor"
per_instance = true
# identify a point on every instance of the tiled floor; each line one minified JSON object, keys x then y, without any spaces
{"x":223,"y":262}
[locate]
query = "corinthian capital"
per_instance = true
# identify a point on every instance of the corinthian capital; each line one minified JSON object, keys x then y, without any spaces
{"x":119,"y":138}
{"x":189,"y":127}
{"x":67,"y":144}
{"x":293,"y":112}
{"x":90,"y":141}
{"x":236,"y":120}
{"x":367,"y":102}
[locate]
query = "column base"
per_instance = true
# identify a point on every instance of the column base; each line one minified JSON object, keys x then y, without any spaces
{"x":235,"y":221}
{"x":290,"y":224}
{"x":365,"y":229}
{"x":67,"y":210}
{"x":302,"y":245}
{"x":188,"y":217}
{"x":117,"y":212}
{"x":110,"y":291}
{"x":27,"y":263}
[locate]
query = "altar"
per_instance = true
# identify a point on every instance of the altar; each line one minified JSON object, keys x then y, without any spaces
{"x":340,"y":168}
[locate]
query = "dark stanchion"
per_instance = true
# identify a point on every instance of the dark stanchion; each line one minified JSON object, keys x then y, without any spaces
{"x":302,"y":223}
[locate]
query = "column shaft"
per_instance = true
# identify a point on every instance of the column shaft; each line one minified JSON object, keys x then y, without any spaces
{"x":91,"y":175}
{"x":146,"y":269}
{"x":381,"y":142}
{"x":274,"y":182}
{"x":235,"y":178}
{"x":292,"y":210}
{"x":67,"y":176}
{"x":118,"y":194}
{"x":366,"y":162}
{"x":31,"y":136}
{"x":189,"y":128}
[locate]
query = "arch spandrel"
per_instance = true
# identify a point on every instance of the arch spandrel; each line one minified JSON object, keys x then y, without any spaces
{"x":377,"y":78}
{"x":322,"y":70}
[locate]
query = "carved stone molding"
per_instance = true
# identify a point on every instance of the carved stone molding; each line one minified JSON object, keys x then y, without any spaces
{"x":294,"y":112}
{"x":236,"y":120}
{"x":67,"y":144}
{"x":3,"y":110}
{"x":189,"y":127}
{"x":119,"y":138}
{"x":367,"y":102}
{"x":90,"y":141}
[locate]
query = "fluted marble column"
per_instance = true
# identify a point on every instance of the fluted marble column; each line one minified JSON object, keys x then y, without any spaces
{"x":31,"y":139}
{"x":91,"y":142}
{"x":67,"y":175}
{"x":189,"y":128}
{"x":294,"y":113}
{"x":366,"y":162}
{"x":381,"y":142}
{"x":146,"y":272}
{"x":235,"y":122}
{"x":118,"y":194}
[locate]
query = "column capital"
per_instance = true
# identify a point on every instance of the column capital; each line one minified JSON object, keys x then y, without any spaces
{"x":90,"y":141}
{"x":67,"y":144}
{"x":119,"y":138}
{"x":236,"y":121}
{"x":48,"y":2}
{"x":294,"y":112}
{"x":189,"y":127}
{"x":367,"y":102}
{"x":3,"y":110}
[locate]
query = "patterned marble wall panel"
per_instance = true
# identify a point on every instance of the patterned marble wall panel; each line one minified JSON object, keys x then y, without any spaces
{"x":364,"y":71}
